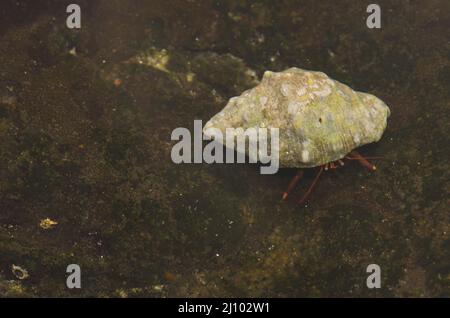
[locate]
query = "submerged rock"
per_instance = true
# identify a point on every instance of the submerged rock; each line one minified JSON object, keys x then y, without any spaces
{"x":320,"y":119}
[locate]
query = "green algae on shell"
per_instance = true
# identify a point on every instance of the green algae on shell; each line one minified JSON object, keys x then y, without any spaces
{"x":320,"y":119}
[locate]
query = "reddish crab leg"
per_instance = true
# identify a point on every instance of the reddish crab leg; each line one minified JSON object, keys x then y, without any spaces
{"x":305,"y":196}
{"x":363,"y":161}
{"x":292,"y":184}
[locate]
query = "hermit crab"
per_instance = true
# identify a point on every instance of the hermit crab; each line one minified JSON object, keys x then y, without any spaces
{"x":321,"y":121}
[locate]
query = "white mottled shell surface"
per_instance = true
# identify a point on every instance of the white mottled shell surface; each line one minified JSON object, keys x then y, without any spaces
{"x":319,"y":119}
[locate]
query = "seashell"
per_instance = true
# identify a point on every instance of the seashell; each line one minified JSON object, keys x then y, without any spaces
{"x":19,"y":272}
{"x":47,"y":223}
{"x":320,"y":120}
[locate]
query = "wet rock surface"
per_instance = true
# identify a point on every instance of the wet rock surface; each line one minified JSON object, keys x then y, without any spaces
{"x":85,"y":124}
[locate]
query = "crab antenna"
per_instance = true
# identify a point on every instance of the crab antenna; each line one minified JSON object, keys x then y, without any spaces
{"x":363,"y":161}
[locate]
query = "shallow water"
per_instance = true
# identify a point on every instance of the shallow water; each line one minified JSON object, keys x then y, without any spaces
{"x":85,"y":123}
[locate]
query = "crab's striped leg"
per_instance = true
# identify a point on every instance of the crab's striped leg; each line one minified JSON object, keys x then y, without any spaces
{"x":292,"y":184}
{"x":307,"y":193}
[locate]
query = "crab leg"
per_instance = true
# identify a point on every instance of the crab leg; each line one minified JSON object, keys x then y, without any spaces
{"x":305,"y":196}
{"x":292,"y":184}
{"x":363,"y":161}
